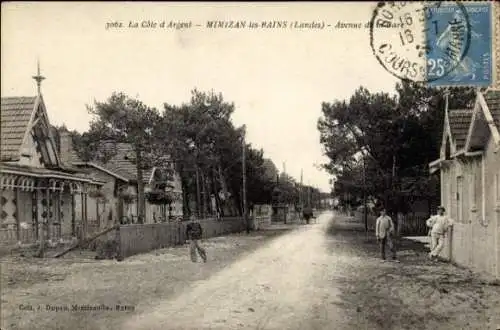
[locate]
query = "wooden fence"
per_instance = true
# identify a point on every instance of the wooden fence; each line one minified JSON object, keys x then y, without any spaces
{"x":11,"y":236}
{"x":411,"y":224}
{"x":141,"y":238}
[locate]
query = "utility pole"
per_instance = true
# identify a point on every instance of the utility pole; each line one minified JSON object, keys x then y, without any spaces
{"x":301,"y":198}
{"x":364,"y":196}
{"x":244,"y":170}
{"x":309,"y":194}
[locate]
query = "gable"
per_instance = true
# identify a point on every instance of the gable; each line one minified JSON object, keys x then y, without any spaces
{"x":460,"y":120}
{"x":26,"y":131}
{"x":42,"y":136}
{"x":447,"y":142}
{"x":484,"y":125}
{"x":30,"y":152}
{"x":492,"y":99}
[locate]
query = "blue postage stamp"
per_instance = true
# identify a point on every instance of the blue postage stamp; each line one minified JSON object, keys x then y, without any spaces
{"x":459,"y":42}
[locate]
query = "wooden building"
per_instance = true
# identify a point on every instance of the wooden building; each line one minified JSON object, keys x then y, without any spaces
{"x":38,"y":190}
{"x":469,"y":167}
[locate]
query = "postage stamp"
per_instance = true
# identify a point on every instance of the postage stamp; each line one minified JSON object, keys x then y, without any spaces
{"x":438,"y":43}
{"x":443,"y":31}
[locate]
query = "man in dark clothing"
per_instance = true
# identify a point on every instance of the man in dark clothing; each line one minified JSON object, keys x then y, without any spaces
{"x":194,"y":233}
{"x":307,"y":213}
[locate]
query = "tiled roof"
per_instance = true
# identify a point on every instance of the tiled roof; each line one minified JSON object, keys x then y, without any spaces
{"x":121,"y":164}
{"x":492,"y":99}
{"x":459,"y":124}
{"x":15,"y":116}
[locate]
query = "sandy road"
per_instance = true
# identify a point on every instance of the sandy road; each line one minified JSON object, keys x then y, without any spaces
{"x":286,"y":284}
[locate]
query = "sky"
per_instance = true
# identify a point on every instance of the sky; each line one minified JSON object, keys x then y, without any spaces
{"x":277,"y":78}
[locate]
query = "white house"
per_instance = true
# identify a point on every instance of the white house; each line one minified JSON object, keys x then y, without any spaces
{"x":469,"y":164}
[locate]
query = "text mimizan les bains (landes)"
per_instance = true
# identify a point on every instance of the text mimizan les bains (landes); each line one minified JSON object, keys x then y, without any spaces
{"x":218,"y":24}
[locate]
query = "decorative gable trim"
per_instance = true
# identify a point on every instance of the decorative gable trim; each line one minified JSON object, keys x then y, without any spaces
{"x":43,"y":120}
{"x":489,"y":120}
{"x":151,"y":177}
{"x":481,"y":105}
{"x":50,"y":136}
{"x":447,"y":135}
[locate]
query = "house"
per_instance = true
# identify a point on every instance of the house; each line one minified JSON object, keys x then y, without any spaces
{"x":37,"y":189}
{"x":118,"y":200}
{"x":469,"y":165}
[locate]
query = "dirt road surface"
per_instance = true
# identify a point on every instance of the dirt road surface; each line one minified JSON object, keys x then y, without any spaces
{"x":287,"y":284}
{"x":319,"y":276}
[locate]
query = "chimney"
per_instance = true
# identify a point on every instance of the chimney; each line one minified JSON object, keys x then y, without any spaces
{"x":66,"y":151}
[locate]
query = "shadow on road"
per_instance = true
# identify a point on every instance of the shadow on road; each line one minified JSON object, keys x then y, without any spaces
{"x":350,"y":230}
{"x":413,"y":294}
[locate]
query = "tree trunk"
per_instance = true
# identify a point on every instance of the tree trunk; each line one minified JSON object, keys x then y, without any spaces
{"x":206,"y":195}
{"x":218,"y":206}
{"x":203,"y":195}
{"x":198,"y":199}
{"x":186,"y":210}
{"x":222,"y":183}
{"x":141,"y":201}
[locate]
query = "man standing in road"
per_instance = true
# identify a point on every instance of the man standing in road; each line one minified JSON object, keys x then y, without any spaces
{"x":384,"y":230}
{"x":194,"y":233}
{"x":440,"y":224}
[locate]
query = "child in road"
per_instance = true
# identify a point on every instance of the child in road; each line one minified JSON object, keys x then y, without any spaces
{"x":440,"y":224}
{"x":194,"y":233}
{"x":384,"y":230}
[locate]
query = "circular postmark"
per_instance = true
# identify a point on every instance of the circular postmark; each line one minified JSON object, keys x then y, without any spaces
{"x":420,"y":41}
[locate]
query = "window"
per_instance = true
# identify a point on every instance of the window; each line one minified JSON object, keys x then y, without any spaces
{"x":473,"y":186}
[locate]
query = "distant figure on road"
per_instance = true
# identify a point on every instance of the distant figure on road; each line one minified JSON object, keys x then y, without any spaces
{"x":440,"y":224}
{"x":194,"y":233}
{"x":384,"y":230}
{"x":307,"y":213}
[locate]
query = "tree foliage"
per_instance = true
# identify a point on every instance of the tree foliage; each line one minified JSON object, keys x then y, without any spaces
{"x":121,"y":119}
{"x":199,"y":138}
{"x":381,"y":145}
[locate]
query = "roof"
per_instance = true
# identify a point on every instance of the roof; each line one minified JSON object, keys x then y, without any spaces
{"x":460,"y":120}
{"x":492,"y":99}
{"x":121,"y":163}
{"x":100,"y":167}
{"x":15,"y":117}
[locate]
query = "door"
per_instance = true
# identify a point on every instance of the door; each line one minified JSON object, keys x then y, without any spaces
{"x":463,"y":216}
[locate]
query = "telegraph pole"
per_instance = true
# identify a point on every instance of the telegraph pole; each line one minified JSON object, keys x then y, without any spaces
{"x":244,"y":170}
{"x":364,"y":196}
{"x":301,"y":198}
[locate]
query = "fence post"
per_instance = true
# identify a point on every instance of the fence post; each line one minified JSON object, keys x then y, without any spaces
{"x":119,"y":255}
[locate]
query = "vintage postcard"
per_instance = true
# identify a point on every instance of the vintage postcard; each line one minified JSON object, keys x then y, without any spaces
{"x":250,"y":165}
